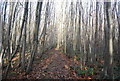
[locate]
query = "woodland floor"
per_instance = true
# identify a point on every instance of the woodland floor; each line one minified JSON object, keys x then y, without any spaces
{"x":54,"y":64}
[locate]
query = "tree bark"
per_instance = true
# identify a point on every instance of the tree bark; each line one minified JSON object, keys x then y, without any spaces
{"x":45,"y":26}
{"x":35,"y":38}
{"x":3,"y":34}
{"x":96,"y":35}
{"x":110,"y":40}
{"x":9,"y":30}
{"x":24,"y":23}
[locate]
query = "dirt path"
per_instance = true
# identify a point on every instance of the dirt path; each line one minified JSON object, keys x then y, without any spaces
{"x":55,"y":66}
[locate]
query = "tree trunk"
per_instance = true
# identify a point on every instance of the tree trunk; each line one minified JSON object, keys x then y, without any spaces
{"x":45,"y":26}
{"x":0,"y":40}
{"x":24,"y":23}
{"x":9,"y":29}
{"x":110,"y":39}
{"x":96,"y":35}
{"x":3,"y":34}
{"x":35,"y":38}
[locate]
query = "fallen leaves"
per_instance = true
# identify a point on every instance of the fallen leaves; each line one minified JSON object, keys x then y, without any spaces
{"x":45,"y":67}
{"x":75,"y":60}
{"x":56,"y":66}
{"x":89,"y":78}
{"x":66,"y":67}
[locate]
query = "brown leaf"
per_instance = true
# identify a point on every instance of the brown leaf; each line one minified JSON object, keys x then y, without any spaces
{"x":66,"y":67}
{"x":44,"y":67}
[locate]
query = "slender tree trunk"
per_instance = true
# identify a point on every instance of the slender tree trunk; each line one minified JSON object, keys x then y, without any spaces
{"x":110,"y":40}
{"x":0,"y":40}
{"x":3,"y":34}
{"x":9,"y":36}
{"x":29,"y":28}
{"x":45,"y":26}
{"x":9,"y":29}
{"x":14,"y":26}
{"x":35,"y":38}
{"x":24,"y":36}
{"x":118,"y":28}
{"x":78,"y":45}
{"x":21,"y":45}
{"x":96,"y":34}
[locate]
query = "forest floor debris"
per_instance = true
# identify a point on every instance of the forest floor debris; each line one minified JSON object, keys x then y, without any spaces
{"x":56,"y":65}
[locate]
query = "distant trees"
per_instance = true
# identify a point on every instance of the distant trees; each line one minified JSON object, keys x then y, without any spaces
{"x":81,"y":29}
